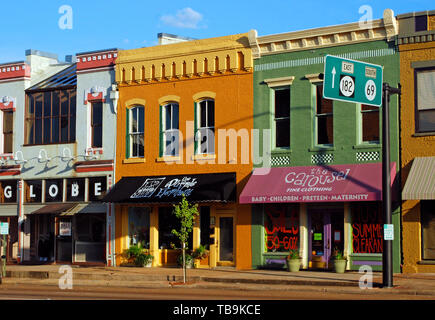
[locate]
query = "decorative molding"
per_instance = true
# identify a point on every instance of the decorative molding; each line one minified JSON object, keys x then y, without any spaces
{"x":94,"y":94}
{"x":314,"y":77}
{"x":8,"y":103}
{"x":14,"y":70}
{"x":94,"y":60}
{"x":380,"y":29}
{"x":203,"y":94}
{"x":169,"y":98}
{"x":278,"y":82}
{"x":135,"y":102}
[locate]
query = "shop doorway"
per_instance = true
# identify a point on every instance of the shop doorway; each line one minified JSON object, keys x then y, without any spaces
{"x":225,"y":240}
{"x":42,"y":238}
{"x":326,"y":231}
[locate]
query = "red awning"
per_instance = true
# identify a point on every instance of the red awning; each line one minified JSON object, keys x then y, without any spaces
{"x":335,"y":183}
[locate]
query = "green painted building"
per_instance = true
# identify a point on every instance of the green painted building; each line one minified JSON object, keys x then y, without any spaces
{"x":320,"y":146}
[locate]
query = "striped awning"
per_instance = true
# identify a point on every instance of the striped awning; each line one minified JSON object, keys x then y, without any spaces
{"x":420,"y":184}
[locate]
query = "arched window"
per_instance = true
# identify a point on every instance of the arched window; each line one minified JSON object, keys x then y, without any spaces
{"x":170,"y":129}
{"x":135,"y":139}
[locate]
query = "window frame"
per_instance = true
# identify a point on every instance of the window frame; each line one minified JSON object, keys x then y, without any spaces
{"x":198,"y":127}
{"x":130,"y":134}
{"x":275,"y":120}
{"x":30,"y":121}
{"x":424,"y":205}
{"x":416,"y":109}
{"x":318,"y":98}
{"x":10,"y":133}
{"x":94,"y":126}
{"x":361,"y":126}
{"x":173,"y":131}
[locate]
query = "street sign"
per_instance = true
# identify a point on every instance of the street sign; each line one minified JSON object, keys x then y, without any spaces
{"x":388,"y":232}
{"x":352,"y":81}
{"x":4,"y":228}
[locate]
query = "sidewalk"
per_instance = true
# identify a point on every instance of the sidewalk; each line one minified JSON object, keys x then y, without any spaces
{"x":228,"y":278}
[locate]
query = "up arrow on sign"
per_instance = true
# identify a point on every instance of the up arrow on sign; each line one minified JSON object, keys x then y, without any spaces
{"x":352,"y":81}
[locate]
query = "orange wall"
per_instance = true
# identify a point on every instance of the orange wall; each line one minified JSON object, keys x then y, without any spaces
{"x":412,"y":146}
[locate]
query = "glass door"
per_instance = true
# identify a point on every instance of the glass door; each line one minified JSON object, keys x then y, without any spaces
{"x":226,"y":239}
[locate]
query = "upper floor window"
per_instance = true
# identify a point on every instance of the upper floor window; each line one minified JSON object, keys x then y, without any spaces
{"x":282,"y":117}
{"x":170,"y":132}
{"x":51,"y":117}
{"x":324,"y":119}
{"x":420,"y":23}
{"x":135,"y":139}
{"x":97,"y":125}
{"x":8,"y":131}
{"x":369,"y":124}
{"x":425,"y":92}
{"x":205,"y":127}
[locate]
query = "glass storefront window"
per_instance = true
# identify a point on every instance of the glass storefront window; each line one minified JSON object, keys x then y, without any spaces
{"x":428,"y":228}
{"x":281,"y":226}
{"x":139,"y":226}
{"x":367,"y":228}
{"x":168,"y":222}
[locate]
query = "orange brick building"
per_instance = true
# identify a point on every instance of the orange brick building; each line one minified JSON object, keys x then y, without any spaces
{"x":175,"y":100}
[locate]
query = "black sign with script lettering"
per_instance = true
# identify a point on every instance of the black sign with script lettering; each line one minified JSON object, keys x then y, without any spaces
{"x":219,"y":187}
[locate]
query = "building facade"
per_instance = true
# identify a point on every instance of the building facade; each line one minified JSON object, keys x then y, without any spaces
{"x":323,"y":177}
{"x":57,"y":160}
{"x":179,"y":104}
{"x":416,"y":42}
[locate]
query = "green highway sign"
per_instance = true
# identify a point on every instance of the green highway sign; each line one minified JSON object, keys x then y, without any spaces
{"x":352,"y":81}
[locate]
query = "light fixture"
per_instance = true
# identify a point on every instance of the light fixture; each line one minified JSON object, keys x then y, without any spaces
{"x":40,"y":158}
{"x":67,"y":155}
{"x":17,"y":159}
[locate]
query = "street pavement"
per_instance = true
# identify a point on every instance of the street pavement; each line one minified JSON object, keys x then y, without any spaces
{"x":225,"y":278}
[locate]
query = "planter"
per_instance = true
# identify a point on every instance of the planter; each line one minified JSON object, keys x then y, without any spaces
{"x":293,"y":265}
{"x":149,"y":264}
{"x":340,"y":266}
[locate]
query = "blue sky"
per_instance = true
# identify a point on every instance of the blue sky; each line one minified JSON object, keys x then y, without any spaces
{"x":127,"y":24}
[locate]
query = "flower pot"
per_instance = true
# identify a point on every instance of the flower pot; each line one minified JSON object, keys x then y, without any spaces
{"x":340,"y":266}
{"x":293,"y":265}
{"x":149,"y":264}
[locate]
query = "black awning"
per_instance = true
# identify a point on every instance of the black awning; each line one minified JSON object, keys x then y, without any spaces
{"x":212,"y":187}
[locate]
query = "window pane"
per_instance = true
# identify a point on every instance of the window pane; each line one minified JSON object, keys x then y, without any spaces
{"x":47,"y":104}
{"x":282,"y":103}
{"x":141,"y":145}
{"x":64,"y":99}
{"x":97,"y":113}
{"x":420,"y":23}
{"x":55,"y":130}
{"x":141,"y":120}
{"x":426,"y":89}
{"x":204,"y":219}
{"x":7,"y":143}
{"x":282,"y":133}
{"x":370,"y":126}
{"x":167,"y":112}
{"x":38,"y":131}
{"x":171,"y":143}
{"x":139,"y":226}
{"x":203,"y":114}
{"x":210,"y":113}
{"x":30,"y":105}
{"x":323,"y":105}
{"x":210,"y":141}
{"x":55,"y":104}
{"x":428,"y":228}
{"x":134,"y":114}
{"x":8,"y":121}
{"x":64,"y":129}
{"x":97,"y":136}
{"x":47,"y":130}
{"x":367,"y":230}
{"x":174,"y":116}
{"x":426,"y":120}
{"x":281,"y":224}
{"x":29,"y":131}
{"x":38,"y":104}
{"x":324,"y":130}
{"x":72,"y":128}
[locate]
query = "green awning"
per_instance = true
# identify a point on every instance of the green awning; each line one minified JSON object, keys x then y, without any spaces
{"x":420,"y":184}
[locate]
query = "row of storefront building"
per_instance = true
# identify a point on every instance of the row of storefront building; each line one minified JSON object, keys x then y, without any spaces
{"x":97,"y":149}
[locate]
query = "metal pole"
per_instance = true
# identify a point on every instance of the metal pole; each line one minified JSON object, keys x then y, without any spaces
{"x":387,"y":255}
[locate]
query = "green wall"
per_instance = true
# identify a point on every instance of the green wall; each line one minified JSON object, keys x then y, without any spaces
{"x":345,"y":115}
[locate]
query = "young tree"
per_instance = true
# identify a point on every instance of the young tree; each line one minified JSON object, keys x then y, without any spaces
{"x":187,"y":214}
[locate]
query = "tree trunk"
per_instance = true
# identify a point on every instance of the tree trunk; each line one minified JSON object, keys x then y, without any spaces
{"x":184,"y":262}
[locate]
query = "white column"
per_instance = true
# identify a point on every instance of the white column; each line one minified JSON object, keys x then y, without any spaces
{"x":303,"y":232}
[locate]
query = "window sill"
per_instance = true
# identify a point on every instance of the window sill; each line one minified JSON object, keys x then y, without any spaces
{"x":367,"y":146}
{"x":321,"y":148}
{"x":426,"y":262}
{"x":424,"y":134}
{"x":134,"y":160}
{"x":204,"y":157}
{"x":47,"y":144}
{"x":280,"y":151}
{"x":168,"y":159}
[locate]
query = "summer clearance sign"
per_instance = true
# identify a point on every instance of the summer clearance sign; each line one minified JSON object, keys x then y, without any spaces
{"x":335,"y":183}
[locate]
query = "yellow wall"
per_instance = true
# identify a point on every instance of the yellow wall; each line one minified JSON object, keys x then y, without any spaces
{"x":227,"y":79}
{"x":412,"y":147}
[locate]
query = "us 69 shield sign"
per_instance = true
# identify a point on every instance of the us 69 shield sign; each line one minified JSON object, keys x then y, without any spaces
{"x":352,"y":81}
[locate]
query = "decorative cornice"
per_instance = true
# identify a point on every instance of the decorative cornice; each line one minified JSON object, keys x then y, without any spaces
{"x":314,"y":77}
{"x":186,"y":60}
{"x":278,"y":82}
{"x":381,"y":29}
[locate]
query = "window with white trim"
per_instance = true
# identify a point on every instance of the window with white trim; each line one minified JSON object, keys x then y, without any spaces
{"x":136,"y":132}
{"x":8,"y":131}
{"x":282,"y":117}
{"x":97,"y":124}
{"x":323,"y":119}
{"x":425,"y":100}
{"x":170,"y":129}
{"x":205,"y":133}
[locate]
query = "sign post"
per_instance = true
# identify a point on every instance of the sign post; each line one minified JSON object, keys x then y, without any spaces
{"x":360,"y":82}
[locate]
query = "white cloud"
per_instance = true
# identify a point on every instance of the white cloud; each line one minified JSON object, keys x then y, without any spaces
{"x":184,"y":18}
